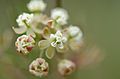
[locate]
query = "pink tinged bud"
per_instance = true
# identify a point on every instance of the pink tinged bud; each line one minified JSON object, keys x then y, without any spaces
{"x":39,"y":67}
{"x":24,"y":44}
{"x":66,"y":67}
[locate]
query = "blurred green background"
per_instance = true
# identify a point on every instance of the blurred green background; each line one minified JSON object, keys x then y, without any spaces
{"x":100,"y":20}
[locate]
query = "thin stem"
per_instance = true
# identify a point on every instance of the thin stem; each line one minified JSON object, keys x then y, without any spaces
{"x":41,"y":53}
{"x":58,"y":3}
{"x":26,"y":24}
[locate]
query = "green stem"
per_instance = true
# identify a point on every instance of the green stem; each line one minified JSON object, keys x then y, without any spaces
{"x":41,"y":53}
{"x":58,"y":3}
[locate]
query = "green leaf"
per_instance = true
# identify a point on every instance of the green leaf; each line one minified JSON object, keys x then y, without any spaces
{"x":50,"y":52}
{"x":43,"y":44}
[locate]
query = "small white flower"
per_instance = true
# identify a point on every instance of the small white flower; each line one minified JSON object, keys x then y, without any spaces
{"x":24,"y":44}
{"x":58,"y":39}
{"x":36,"y":5}
{"x":24,"y":18}
{"x":78,"y":38}
{"x":75,"y":32}
{"x":66,"y":67}
{"x":39,"y":67}
{"x":61,"y":14}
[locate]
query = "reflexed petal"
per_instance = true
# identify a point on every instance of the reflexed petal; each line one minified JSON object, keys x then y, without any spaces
{"x":74,"y":45}
{"x":58,"y":33}
{"x":46,"y":33}
{"x":43,"y":44}
{"x":61,"y":45}
{"x":30,"y":33}
{"x":36,"y":30}
{"x":19,"y":30}
{"x":65,"y":49}
{"x":50,"y":52}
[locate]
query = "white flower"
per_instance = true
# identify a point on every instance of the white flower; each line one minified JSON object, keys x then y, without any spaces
{"x":36,"y":5}
{"x":24,"y":19}
{"x":75,"y":32}
{"x":66,"y":67}
{"x":61,"y":14}
{"x":24,"y":44}
{"x":39,"y":67}
{"x":78,"y":38}
{"x":58,"y":39}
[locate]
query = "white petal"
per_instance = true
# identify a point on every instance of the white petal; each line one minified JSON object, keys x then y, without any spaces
{"x":20,"y":30}
{"x":61,"y":45}
{"x":58,"y":33}
{"x":53,"y":44}
{"x":52,"y":36}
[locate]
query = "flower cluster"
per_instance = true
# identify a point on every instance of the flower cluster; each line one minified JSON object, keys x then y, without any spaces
{"x":51,"y":34}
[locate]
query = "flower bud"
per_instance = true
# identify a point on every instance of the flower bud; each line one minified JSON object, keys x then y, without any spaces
{"x":61,"y":13}
{"x":66,"y":67}
{"x":39,"y":67}
{"x":24,"y":44}
{"x":74,"y":30}
{"x":36,"y":5}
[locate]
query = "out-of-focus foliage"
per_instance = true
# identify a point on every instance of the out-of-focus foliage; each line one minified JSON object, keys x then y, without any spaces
{"x":100,"y":21}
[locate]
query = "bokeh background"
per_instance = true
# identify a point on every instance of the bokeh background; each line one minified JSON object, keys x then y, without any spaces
{"x":100,"y":20}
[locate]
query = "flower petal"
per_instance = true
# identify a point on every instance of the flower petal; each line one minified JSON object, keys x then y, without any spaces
{"x":43,"y":44}
{"x":50,"y":52}
{"x":46,"y":32}
{"x":74,"y":45}
{"x":65,"y":49}
{"x":20,"y":30}
{"x":30,"y":33}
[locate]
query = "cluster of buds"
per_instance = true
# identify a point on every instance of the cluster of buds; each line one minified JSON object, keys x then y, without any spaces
{"x":54,"y":35}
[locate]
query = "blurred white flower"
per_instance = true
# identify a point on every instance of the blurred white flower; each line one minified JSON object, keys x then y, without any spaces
{"x":66,"y":67}
{"x":58,"y":39}
{"x":36,"y":5}
{"x":75,"y":32}
{"x":24,"y":44}
{"x":24,"y":19}
{"x":78,"y":38}
{"x":39,"y":67}
{"x":60,"y":14}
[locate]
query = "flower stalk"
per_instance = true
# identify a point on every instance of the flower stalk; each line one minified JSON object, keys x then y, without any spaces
{"x":58,"y":3}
